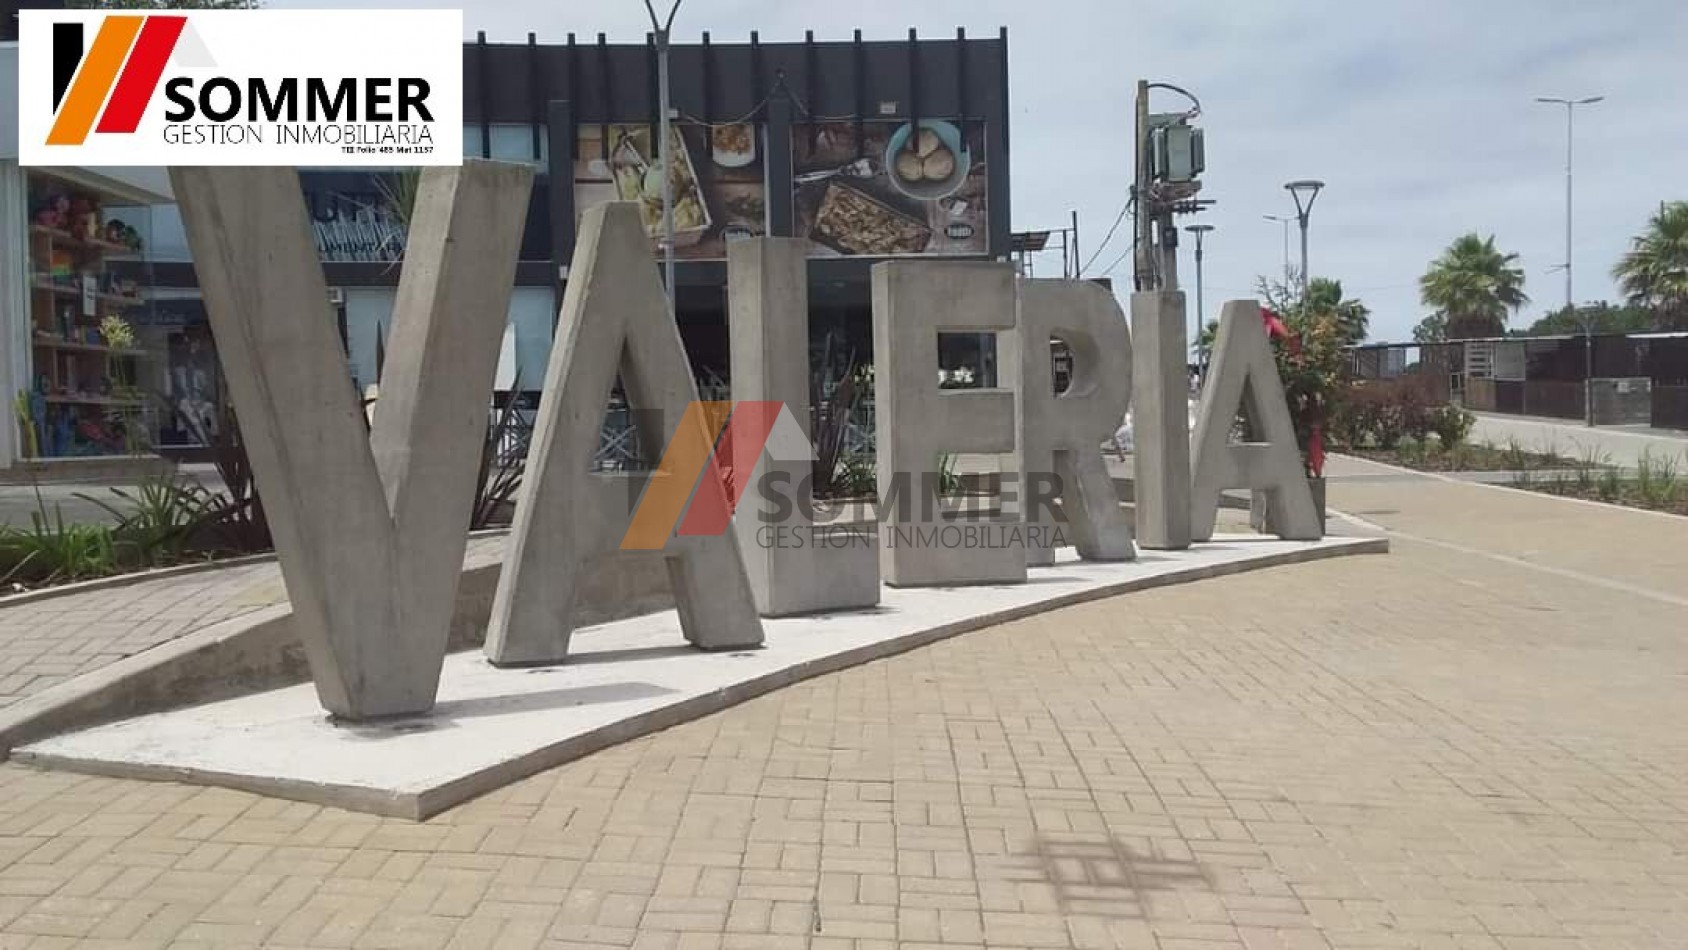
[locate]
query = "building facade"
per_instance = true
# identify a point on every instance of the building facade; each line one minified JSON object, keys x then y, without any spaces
{"x":870,"y":150}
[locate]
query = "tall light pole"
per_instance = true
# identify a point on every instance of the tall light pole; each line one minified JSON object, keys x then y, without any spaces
{"x":1286,"y":223}
{"x":1570,"y":300}
{"x":659,"y":28}
{"x":1200,"y":231}
{"x":1305,"y":192}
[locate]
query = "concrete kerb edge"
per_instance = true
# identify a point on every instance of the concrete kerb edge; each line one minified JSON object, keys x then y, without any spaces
{"x":1440,"y":477}
{"x":163,"y":573}
{"x":111,"y":692}
{"x":134,"y":577}
{"x":144,"y":682}
{"x":423,"y":804}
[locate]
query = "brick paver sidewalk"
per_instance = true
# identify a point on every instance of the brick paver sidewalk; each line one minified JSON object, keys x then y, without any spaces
{"x":1452,"y":746}
{"x":44,"y":642}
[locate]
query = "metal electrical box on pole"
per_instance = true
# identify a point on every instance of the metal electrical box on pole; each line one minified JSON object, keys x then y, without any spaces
{"x":1171,"y":156}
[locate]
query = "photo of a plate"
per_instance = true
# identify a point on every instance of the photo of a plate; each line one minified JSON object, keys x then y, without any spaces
{"x":950,"y":137}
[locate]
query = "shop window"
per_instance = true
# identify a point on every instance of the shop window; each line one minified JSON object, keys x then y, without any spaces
{"x":511,"y":142}
{"x":514,"y":143}
{"x":92,"y":360}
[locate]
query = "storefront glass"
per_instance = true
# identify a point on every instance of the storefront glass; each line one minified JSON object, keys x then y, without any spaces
{"x":93,"y":368}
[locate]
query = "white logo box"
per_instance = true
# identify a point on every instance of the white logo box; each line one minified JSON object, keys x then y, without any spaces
{"x":258,"y":59}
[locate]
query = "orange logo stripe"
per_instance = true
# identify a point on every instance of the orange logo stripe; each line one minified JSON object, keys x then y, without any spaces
{"x":94,"y":80}
{"x":671,"y":484}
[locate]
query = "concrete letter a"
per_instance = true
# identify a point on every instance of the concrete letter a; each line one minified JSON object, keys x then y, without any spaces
{"x":1244,"y":376}
{"x":570,"y":518}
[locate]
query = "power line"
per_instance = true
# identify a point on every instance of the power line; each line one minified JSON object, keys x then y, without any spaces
{"x":1121,"y":259}
{"x":1123,"y":211}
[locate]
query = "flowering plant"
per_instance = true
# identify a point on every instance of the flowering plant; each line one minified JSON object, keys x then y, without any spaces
{"x":1308,"y":349}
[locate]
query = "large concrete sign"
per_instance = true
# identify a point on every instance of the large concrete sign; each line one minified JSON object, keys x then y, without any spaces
{"x":791,"y":569}
{"x":1059,"y":433}
{"x":1161,"y":420}
{"x":570,"y":519}
{"x":1245,"y":376}
{"x":370,"y":526}
{"x":913,"y":301}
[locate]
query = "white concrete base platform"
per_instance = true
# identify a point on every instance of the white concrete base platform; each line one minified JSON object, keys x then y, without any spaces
{"x":494,"y":726}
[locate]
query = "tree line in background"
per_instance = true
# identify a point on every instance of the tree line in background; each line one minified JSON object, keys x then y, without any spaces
{"x":1473,"y":287}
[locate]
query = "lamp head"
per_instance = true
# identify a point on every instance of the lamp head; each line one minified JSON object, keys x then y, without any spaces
{"x":1309,"y":187}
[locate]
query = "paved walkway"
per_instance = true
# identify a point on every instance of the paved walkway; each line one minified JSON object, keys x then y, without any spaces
{"x":45,"y":642}
{"x":1473,"y":742}
{"x":1623,"y":445}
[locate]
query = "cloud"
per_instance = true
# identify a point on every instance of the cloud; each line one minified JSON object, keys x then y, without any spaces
{"x":1420,"y":116}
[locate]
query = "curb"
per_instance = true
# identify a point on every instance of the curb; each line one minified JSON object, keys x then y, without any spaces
{"x":130,"y":579}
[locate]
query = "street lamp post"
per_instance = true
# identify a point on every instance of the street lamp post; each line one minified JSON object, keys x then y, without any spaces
{"x":1200,"y":231}
{"x":1305,"y":192}
{"x":1570,"y":300}
{"x":1286,"y":223}
{"x":660,"y":28}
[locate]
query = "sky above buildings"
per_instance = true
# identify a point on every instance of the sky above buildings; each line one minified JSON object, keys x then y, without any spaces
{"x":1420,"y":117}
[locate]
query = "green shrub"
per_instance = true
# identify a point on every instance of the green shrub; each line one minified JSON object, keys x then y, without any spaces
{"x":1656,"y":479}
{"x":1611,"y":486}
{"x":1414,"y":411}
{"x":1349,"y":421}
{"x":1452,"y":425}
{"x":52,"y":551}
{"x":157,"y":520}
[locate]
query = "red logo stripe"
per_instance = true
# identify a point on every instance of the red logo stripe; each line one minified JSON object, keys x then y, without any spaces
{"x":741,"y":443}
{"x":140,"y":78}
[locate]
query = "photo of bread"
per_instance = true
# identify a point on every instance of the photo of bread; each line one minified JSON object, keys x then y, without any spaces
{"x":890,"y":189}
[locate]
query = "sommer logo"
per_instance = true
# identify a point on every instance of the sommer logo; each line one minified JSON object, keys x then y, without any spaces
{"x":723,"y":442}
{"x":124,"y":88}
{"x":286,"y":87}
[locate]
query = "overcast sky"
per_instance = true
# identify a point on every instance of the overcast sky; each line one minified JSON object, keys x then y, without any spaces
{"x":1419,"y":116}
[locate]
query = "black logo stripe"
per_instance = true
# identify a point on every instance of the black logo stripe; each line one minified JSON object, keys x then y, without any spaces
{"x":67,"y":55}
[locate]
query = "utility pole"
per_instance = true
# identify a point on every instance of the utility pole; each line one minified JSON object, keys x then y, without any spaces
{"x":1144,"y":238}
{"x":661,"y":29}
{"x":1075,"y":246}
{"x":1570,"y":300}
{"x":1170,"y":160}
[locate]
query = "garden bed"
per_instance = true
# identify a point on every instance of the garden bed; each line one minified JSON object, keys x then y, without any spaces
{"x":1430,"y":456}
{"x":1626,"y":492}
{"x":1655,"y":485}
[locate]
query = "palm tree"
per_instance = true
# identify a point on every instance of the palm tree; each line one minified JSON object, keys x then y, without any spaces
{"x":1324,"y":296}
{"x":1654,"y":273}
{"x":1474,"y":286}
